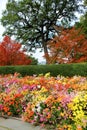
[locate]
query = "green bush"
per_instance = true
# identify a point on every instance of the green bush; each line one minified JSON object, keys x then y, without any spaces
{"x":61,"y":69}
{"x":34,"y":60}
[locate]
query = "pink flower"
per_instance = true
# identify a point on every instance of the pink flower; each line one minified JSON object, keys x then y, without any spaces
{"x":59,"y":108}
{"x":41,"y":119}
{"x":1,"y":107}
{"x":42,"y":125}
{"x":25,"y":87}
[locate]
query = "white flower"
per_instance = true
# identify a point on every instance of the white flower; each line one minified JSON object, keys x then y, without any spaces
{"x":38,"y":105}
{"x":35,"y":117}
{"x":38,"y":109}
{"x":33,"y":109}
{"x":38,"y":86}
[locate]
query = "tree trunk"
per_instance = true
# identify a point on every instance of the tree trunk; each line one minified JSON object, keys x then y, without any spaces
{"x":46,"y":52}
{"x":44,"y":44}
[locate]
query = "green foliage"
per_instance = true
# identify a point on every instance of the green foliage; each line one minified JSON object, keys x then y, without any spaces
{"x":34,"y":60}
{"x":83,"y":24}
{"x":32,"y":21}
{"x":83,"y":20}
{"x":61,"y":69}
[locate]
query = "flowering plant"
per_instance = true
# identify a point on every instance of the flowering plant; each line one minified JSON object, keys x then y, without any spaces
{"x":56,"y":102}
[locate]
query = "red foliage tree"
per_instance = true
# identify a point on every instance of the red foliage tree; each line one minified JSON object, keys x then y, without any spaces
{"x":11,"y":53}
{"x":68,"y":47}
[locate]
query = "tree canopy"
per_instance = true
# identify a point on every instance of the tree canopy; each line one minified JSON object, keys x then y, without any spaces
{"x":11,"y":53}
{"x":68,"y":47}
{"x":83,"y":20}
{"x":31,"y":21}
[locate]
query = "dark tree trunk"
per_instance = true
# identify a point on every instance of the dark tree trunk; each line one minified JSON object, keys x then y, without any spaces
{"x":46,"y":52}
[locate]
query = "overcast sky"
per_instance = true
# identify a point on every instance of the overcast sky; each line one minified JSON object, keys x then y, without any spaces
{"x":37,"y":55}
{"x":2,"y":7}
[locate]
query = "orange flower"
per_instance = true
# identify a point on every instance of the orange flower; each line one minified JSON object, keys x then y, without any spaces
{"x":11,"y":103}
{"x":79,"y":128}
{"x":48,"y":116}
{"x":6,"y":109}
{"x":9,"y":113}
{"x":31,"y":113}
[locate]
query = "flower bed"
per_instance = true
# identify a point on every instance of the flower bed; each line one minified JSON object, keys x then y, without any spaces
{"x":54,"y":102}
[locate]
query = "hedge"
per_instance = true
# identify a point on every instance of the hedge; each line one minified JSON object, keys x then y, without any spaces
{"x":60,"y":69}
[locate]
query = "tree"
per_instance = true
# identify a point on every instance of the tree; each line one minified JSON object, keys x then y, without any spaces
{"x":68,"y":47}
{"x":11,"y":53}
{"x":34,"y":60}
{"x":83,"y":20}
{"x":31,"y":21}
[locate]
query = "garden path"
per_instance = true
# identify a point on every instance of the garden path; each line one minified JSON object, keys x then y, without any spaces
{"x":13,"y":124}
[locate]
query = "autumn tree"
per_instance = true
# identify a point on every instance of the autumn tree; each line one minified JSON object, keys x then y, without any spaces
{"x":11,"y":53}
{"x":68,"y":47}
{"x":31,"y":21}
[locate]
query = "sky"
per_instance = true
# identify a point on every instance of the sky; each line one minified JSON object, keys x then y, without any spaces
{"x":38,"y":55}
{"x":2,"y":7}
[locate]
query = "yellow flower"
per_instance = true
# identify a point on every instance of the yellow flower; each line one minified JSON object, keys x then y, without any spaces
{"x":62,"y":114}
{"x":47,"y":75}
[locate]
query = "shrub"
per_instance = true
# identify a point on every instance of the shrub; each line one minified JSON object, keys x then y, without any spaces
{"x":61,"y":69}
